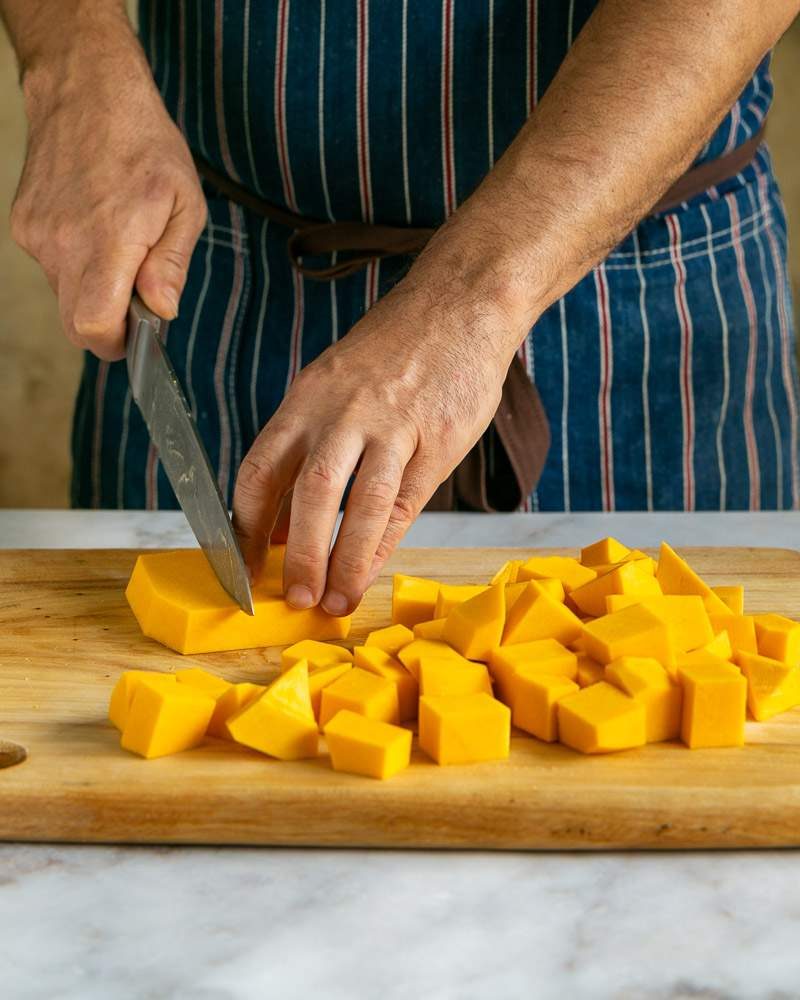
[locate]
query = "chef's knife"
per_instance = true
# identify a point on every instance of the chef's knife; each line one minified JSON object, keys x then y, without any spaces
{"x":158,"y":394}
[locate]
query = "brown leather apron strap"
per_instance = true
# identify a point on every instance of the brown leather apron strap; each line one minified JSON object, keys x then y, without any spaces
{"x":520,"y":426}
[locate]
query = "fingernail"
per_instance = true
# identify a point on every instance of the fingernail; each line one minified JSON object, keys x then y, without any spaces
{"x":172,"y":297}
{"x":334,"y":604}
{"x":299,"y":597}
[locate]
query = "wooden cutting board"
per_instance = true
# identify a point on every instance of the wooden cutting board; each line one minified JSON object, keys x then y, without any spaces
{"x":66,"y":633}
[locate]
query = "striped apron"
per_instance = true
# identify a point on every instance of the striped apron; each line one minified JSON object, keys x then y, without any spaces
{"x":668,"y":373}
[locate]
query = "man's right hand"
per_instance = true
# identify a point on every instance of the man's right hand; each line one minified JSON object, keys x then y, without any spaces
{"x":109,"y":198}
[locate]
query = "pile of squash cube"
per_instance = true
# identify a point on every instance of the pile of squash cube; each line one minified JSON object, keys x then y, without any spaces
{"x":602,"y":653}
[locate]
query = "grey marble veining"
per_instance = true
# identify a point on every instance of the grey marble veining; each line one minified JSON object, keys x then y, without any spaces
{"x":99,"y":923}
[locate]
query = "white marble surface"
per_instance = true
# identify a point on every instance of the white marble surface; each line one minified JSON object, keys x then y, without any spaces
{"x":89,"y":923}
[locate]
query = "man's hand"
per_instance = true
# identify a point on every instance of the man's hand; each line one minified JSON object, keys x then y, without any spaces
{"x":400,"y":401}
{"x":109,"y":198}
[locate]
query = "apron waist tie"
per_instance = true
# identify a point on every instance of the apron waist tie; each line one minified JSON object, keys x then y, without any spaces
{"x":482,"y":481}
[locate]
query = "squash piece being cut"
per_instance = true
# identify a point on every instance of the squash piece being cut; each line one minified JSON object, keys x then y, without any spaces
{"x":413,"y":599}
{"x":124,"y":690}
{"x":569,"y":571}
{"x":449,"y":677}
{"x":316,"y":654}
{"x":165,"y":719}
{"x":475,"y":627}
{"x":645,"y":679}
{"x":600,"y":719}
{"x":607,"y":550}
{"x":390,"y":639}
{"x":359,"y":745}
{"x":178,"y":601}
{"x":772,"y":686}
{"x":231,"y":702}
{"x":360,"y":691}
{"x":280,"y":722}
{"x":535,"y":615}
{"x":627,"y":578}
{"x":714,"y":701}
{"x":452,"y":594}
{"x":464,"y":730}
{"x":778,"y":637}
{"x":378,"y":661}
{"x":634,"y":631}
{"x":533,"y":698}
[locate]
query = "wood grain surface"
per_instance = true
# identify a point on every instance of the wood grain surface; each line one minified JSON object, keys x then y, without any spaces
{"x":66,"y":633}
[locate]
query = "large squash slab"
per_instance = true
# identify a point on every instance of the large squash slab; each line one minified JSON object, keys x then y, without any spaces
{"x":178,"y":600}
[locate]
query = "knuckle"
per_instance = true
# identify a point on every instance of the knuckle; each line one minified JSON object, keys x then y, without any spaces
{"x":352,"y":561}
{"x":257,"y":469}
{"x":304,"y":558}
{"x":405,"y":508}
{"x":376,"y":497}
{"x":319,"y":474}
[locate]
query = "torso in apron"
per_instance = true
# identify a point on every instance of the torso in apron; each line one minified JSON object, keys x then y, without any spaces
{"x":393,"y":111}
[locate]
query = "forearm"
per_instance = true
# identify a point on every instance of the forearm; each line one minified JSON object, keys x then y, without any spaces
{"x":59,"y":43}
{"x":638,"y":95}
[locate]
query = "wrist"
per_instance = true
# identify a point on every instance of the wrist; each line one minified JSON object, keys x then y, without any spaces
{"x":75,"y":54}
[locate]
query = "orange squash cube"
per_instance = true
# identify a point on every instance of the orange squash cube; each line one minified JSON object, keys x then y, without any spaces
{"x":741,"y":631}
{"x":732,"y":597}
{"x":390,"y":639}
{"x":475,"y":627}
{"x":533,"y":698}
{"x":772,"y":686}
{"x":646,"y":680}
{"x":316,"y":654}
{"x":359,"y":745}
{"x":430,"y":630}
{"x":627,"y":578}
{"x":378,"y":661}
{"x":607,"y":550}
{"x":778,"y":637}
{"x":449,"y":677}
{"x":280,"y":722}
{"x":165,"y":719}
{"x":452,"y":594}
{"x":413,"y":599}
{"x":589,"y":671}
{"x":601,"y":719}
{"x":633,"y":631}
{"x":125,"y":688}
{"x":685,"y":614}
{"x":569,"y":571}
{"x":536,"y":615}
{"x":231,"y":702}
{"x":411,"y":654}
{"x":464,"y":730}
{"x":714,"y":701}
{"x":320,"y":678}
{"x":360,"y":691}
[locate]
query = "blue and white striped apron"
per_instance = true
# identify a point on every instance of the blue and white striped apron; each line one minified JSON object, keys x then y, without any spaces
{"x":668,"y":373}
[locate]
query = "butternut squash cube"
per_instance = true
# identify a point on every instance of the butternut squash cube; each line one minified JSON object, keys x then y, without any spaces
{"x":165,"y":718}
{"x":633,"y":631}
{"x":464,"y":730}
{"x":320,"y":678}
{"x":719,"y":646}
{"x":569,"y":571}
{"x":533,"y":698}
{"x":601,"y":719}
{"x":390,"y":639}
{"x":514,"y":591}
{"x":475,"y":627}
{"x":714,"y":700}
{"x":507,"y":572}
{"x":413,"y":599}
{"x":430,"y":630}
{"x":542,"y":656}
{"x":607,"y":550}
{"x":452,"y":594}
{"x":178,"y":601}
{"x":772,"y":686}
{"x":685,"y":614}
{"x":378,"y":661}
{"x":741,"y":630}
{"x":676,"y":576}
{"x":363,"y":692}
{"x":203,"y":681}
{"x":449,"y":677}
{"x":124,"y":690}
{"x":231,"y":702}
{"x":647,"y":681}
{"x":411,"y":654}
{"x":359,"y":745}
{"x":589,"y":671}
{"x":626,"y":578}
{"x":732,"y":597}
{"x":316,"y":654}
{"x":280,"y":722}
{"x":778,"y":637}
{"x":535,"y":615}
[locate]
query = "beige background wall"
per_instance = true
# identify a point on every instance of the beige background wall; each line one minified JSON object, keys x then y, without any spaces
{"x":39,"y":370}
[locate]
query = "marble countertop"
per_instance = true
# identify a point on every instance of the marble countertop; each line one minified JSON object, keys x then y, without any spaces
{"x":80,"y":923}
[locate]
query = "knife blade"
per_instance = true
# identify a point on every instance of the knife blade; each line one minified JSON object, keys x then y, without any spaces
{"x":157,"y":392}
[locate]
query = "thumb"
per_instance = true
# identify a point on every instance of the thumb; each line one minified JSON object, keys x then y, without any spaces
{"x":163,"y":272}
